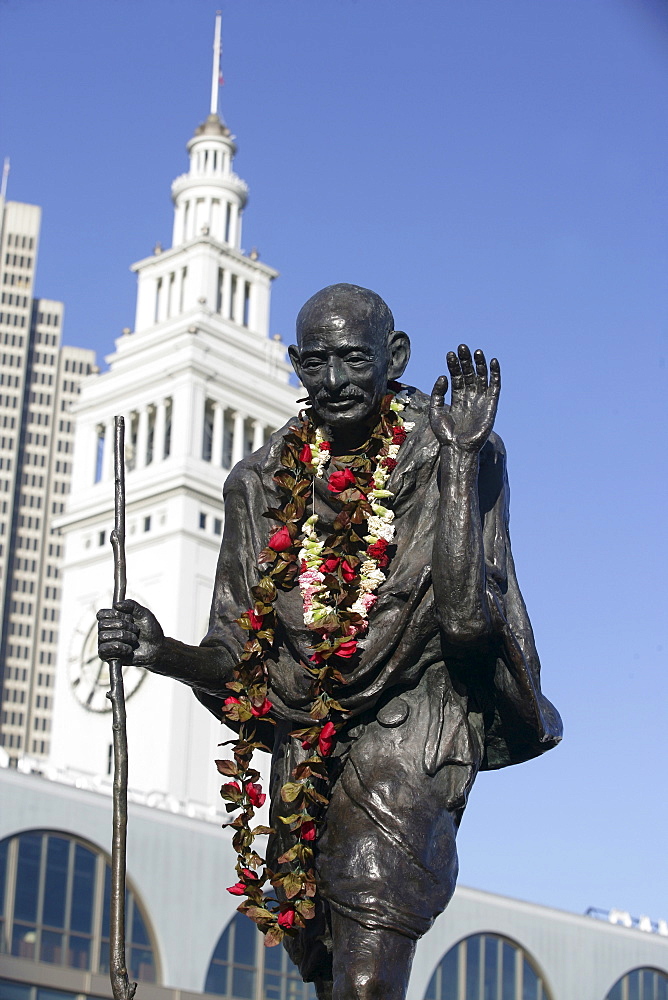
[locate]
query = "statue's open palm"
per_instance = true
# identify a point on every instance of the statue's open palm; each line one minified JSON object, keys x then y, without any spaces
{"x":475,"y":396}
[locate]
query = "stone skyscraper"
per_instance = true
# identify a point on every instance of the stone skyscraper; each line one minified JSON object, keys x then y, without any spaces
{"x":39,"y":379}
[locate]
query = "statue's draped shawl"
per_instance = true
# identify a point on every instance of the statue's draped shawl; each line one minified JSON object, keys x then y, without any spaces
{"x":497,"y":684}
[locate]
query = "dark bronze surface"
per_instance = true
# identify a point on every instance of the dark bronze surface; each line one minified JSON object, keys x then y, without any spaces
{"x":447,"y":681}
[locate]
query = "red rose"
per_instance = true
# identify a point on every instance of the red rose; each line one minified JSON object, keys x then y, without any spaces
{"x":280,"y":540}
{"x":325,"y":446}
{"x":378,"y":549}
{"x":340,"y":481}
{"x":232,"y":701}
{"x":347,"y":648}
{"x":255,"y":794}
{"x":307,"y":744}
{"x":238,"y":889}
{"x":249,"y":873}
{"x":286,"y":918}
{"x":398,"y":435}
{"x":383,"y":561}
{"x":307,"y":831}
{"x":306,"y":455}
{"x":347,"y":572}
{"x":259,"y":710}
{"x":329,"y":565}
{"x":232,"y":785}
{"x":255,"y":620}
{"x":326,"y":739}
{"x":317,"y":658}
{"x":389,"y":463}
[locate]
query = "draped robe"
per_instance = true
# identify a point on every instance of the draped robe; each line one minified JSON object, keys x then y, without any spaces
{"x":423,"y":715}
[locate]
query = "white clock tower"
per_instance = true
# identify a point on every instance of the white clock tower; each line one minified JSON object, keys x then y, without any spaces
{"x":200,"y":385}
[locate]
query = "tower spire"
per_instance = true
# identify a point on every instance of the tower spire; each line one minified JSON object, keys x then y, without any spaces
{"x":215,"y":72}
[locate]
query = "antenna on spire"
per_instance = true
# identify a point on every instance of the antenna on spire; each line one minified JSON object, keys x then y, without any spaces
{"x":5,"y":175}
{"x":216,"y":74}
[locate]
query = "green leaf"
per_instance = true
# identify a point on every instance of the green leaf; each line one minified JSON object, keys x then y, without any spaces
{"x":289,"y":856}
{"x":306,"y":908}
{"x":227,"y":767}
{"x":290,"y":791}
{"x":292,"y":885}
{"x":274,"y":936}
{"x":292,"y":818}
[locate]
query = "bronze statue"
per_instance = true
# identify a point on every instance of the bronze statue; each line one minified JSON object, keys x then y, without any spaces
{"x":371,"y":632}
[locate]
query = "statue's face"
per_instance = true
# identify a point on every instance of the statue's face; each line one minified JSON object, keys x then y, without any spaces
{"x":344,"y":364}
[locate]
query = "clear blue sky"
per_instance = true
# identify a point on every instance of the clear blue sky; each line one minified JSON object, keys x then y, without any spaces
{"x":498,"y":171}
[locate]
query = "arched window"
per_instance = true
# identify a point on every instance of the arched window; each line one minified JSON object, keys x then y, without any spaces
{"x":240,"y":963}
{"x":54,"y":905}
{"x":486,"y":967}
{"x":641,"y":984}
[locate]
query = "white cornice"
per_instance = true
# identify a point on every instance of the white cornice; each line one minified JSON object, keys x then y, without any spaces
{"x":202,"y":241}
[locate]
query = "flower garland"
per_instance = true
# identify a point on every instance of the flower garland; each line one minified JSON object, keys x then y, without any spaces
{"x":337,"y":575}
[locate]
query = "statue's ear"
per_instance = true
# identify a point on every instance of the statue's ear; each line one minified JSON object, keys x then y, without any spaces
{"x":293,"y":354}
{"x":399,"y":347}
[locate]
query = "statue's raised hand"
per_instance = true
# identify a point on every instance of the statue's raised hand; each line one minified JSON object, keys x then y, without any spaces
{"x":475,"y":396}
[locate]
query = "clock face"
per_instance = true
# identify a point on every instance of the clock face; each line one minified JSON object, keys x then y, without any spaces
{"x":89,"y":676}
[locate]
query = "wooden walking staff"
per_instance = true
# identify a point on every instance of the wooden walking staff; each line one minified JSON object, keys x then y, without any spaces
{"x":120,"y":984}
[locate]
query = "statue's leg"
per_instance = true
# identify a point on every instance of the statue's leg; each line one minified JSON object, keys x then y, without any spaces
{"x":369,"y":964}
{"x":323,"y":988}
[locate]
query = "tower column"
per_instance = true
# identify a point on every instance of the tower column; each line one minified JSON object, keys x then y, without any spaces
{"x":159,"y":432}
{"x":258,"y":434}
{"x":238,"y":438}
{"x":217,"y":436}
{"x":234,"y":225}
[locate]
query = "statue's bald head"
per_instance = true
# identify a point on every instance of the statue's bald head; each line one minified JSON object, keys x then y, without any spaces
{"x":350,"y":304}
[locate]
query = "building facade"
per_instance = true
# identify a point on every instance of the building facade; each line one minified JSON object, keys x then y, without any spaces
{"x":39,"y":380}
{"x":200,"y":384}
{"x":185,"y":937}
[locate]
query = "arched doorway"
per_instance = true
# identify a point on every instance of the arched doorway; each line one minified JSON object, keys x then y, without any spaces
{"x":640,"y":984}
{"x":241,"y":968}
{"x":54,"y":905}
{"x":487,"y":967}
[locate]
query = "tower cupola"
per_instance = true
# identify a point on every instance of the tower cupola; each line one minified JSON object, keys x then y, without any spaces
{"x":209,"y":199}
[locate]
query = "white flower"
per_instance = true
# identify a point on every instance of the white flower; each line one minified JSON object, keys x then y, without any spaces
{"x":409,"y":425}
{"x":372,"y":581}
{"x":381,"y":528}
{"x":393,"y":451}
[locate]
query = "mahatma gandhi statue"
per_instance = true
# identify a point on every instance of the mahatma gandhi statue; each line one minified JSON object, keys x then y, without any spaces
{"x":366,"y":628}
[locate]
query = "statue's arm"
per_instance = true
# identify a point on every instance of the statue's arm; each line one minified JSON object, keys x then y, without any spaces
{"x":132,"y":633}
{"x":458,"y":561}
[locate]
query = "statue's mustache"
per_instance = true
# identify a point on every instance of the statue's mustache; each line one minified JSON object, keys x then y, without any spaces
{"x":323,"y":396}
